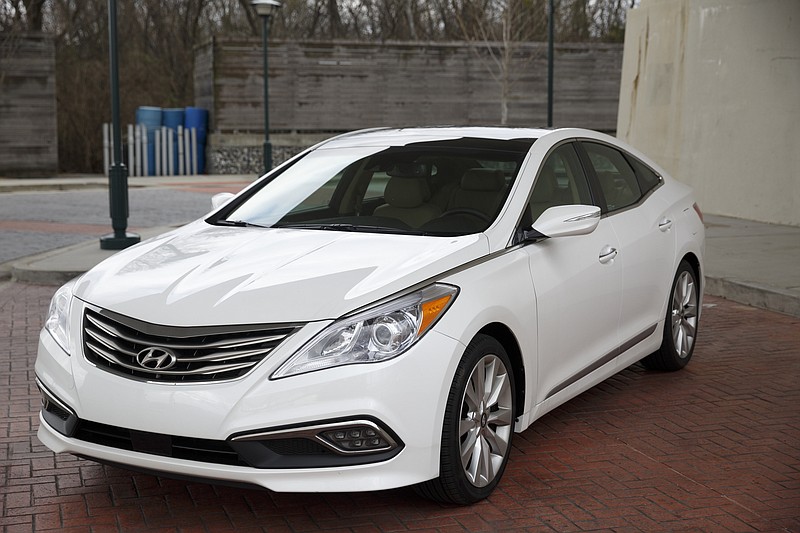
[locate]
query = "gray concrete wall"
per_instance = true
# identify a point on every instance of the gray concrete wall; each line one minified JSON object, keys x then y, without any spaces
{"x":28,"y":134}
{"x":711,"y":90}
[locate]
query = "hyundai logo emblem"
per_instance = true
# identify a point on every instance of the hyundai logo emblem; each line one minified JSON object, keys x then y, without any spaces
{"x":156,"y":358}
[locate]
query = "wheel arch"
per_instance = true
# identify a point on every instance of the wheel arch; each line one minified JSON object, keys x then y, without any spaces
{"x":508,"y":340}
{"x":694,"y":262}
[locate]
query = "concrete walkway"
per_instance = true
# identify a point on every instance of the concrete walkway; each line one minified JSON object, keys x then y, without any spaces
{"x":748,"y":262}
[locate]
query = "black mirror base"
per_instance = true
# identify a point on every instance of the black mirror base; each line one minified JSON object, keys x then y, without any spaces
{"x":115,"y":242}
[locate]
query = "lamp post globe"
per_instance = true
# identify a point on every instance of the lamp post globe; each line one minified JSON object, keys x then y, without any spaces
{"x":266,"y":9}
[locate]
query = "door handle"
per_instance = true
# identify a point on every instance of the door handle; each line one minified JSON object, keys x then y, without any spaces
{"x":665,"y":224}
{"x":607,"y":254}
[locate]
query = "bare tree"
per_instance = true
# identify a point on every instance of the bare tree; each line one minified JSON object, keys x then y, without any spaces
{"x":495,"y":29}
{"x":158,"y":39}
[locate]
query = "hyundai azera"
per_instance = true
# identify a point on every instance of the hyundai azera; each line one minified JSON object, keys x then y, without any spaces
{"x":385,"y":309}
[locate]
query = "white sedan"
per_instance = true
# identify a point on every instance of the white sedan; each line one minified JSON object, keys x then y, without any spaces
{"x":385,"y":309}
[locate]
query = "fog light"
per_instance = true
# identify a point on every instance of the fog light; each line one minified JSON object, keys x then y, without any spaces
{"x":56,"y":413}
{"x":345,"y":438}
{"x":360,"y":437}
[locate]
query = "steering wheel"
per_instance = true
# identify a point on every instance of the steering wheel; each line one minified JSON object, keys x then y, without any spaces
{"x":467,"y":211}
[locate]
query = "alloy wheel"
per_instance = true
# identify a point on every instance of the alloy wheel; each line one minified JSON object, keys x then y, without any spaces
{"x":486,"y":421}
{"x":684,"y":314}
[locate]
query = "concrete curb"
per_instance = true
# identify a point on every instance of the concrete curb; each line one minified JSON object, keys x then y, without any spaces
{"x":56,"y":267}
{"x":755,"y":295}
{"x":26,"y":269}
{"x":58,"y":187}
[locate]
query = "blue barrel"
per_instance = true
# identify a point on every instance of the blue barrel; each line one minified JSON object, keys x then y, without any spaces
{"x":172,"y":118}
{"x":196,"y":117}
{"x":150,"y":117}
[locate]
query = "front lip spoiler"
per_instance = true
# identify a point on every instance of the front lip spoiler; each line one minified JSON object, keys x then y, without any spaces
{"x":174,"y":475}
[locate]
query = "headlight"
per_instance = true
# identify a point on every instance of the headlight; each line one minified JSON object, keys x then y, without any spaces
{"x":57,"y":322}
{"x":374,"y":335}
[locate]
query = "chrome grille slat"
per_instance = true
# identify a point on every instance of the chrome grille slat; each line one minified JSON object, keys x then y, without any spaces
{"x":115,"y":332}
{"x":108,"y":356}
{"x":109,"y":343}
{"x":200,"y":354}
{"x":222,"y":356}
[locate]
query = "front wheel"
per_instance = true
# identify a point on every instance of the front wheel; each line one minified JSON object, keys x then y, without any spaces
{"x":680,"y":325}
{"x":478,"y":426}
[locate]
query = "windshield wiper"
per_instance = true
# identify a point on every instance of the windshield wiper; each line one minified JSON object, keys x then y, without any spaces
{"x":340,"y":226}
{"x":238,"y":224}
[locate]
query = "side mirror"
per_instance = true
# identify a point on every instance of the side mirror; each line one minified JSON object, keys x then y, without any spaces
{"x":565,"y":220}
{"x":220,"y":199}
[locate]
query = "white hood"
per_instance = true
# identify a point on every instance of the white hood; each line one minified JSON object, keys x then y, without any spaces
{"x":208,"y":275}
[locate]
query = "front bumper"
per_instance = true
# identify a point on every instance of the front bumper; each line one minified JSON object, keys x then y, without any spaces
{"x":404,"y":398}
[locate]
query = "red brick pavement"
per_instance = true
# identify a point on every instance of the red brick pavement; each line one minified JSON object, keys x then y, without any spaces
{"x":715,"y":447}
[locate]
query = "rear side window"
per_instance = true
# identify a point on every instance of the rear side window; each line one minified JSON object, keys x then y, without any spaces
{"x":648,"y":180}
{"x":617,"y":179}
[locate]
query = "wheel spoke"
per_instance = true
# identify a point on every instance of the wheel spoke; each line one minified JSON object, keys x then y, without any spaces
{"x":489,"y":374}
{"x":687,"y":344}
{"x":499,"y":386}
{"x":464,"y":426}
{"x":685,"y":285}
{"x":501,"y":417}
{"x":677,"y":300}
{"x":469,"y":447}
{"x":473,"y":460}
{"x":472,"y":397}
{"x":485,"y":471}
{"x":689,"y":327}
{"x":677,"y":336}
{"x":497,"y":441}
{"x":478,"y":380}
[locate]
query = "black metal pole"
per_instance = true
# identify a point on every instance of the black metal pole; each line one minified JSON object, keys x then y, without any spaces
{"x":118,"y":173}
{"x":267,"y":144}
{"x":550,"y":32}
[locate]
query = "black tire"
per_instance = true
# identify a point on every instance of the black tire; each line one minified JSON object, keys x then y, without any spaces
{"x":680,"y":324}
{"x":490,"y":426}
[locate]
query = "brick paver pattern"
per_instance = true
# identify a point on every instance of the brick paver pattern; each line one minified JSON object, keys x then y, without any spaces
{"x":714,"y":447}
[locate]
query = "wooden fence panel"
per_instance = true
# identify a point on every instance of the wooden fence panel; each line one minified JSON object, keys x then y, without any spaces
{"x":341,"y":86}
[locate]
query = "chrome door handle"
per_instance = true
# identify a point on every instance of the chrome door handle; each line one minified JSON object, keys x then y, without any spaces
{"x":607,"y":254}
{"x":665,"y":224}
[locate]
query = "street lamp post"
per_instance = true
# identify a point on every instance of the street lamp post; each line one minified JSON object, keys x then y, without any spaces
{"x":550,"y":60}
{"x":118,"y":173}
{"x":266,"y":9}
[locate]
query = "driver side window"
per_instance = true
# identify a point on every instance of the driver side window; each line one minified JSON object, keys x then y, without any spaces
{"x":561,"y":181}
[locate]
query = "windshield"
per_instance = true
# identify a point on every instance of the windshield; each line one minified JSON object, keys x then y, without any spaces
{"x":432,"y":188}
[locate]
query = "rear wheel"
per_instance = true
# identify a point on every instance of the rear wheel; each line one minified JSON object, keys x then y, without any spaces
{"x":680,"y":326}
{"x":478,"y":426}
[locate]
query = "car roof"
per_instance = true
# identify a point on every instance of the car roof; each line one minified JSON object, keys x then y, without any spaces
{"x":403,"y":136}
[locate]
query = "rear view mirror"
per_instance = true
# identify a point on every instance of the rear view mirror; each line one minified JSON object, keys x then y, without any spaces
{"x":566,"y":220}
{"x":220,"y":199}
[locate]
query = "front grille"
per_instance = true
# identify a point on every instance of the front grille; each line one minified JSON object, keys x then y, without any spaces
{"x":145,"y":351}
